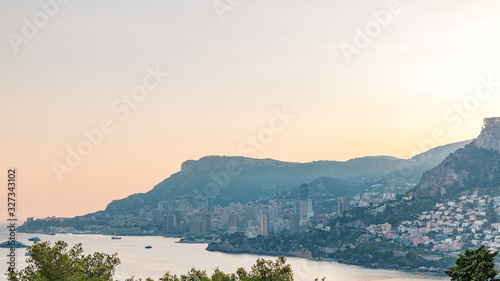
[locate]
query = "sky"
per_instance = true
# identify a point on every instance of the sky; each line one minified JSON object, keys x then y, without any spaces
{"x":103,"y":99}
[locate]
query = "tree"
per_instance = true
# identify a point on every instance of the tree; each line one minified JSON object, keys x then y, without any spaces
{"x":262,"y":270}
{"x":267,"y":270}
{"x":474,"y":265}
{"x":58,"y":263}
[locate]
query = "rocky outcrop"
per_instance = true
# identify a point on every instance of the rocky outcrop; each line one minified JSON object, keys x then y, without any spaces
{"x":490,"y":135}
{"x":443,"y":177}
{"x":477,"y":165}
{"x":238,"y":243}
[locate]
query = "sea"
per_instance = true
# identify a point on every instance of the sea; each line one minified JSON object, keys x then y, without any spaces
{"x":178,"y":258}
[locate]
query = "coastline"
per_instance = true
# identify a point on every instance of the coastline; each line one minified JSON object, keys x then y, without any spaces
{"x":438,"y":273}
{"x":167,"y":255}
{"x":430,"y":271}
{"x":297,"y":253}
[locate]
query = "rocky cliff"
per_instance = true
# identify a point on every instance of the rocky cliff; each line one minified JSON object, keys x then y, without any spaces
{"x":477,"y":165}
{"x":238,"y":243}
{"x":490,"y":135}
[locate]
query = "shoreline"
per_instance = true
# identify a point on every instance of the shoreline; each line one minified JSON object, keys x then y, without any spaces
{"x":437,"y":273}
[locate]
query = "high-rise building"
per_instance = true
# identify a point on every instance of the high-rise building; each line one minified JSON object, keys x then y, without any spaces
{"x":233,"y":220}
{"x":296,"y":207}
{"x":264,"y":224}
{"x":310,"y":208}
{"x":156,"y":217}
{"x":304,"y":191}
{"x":210,"y":204}
{"x":304,"y":208}
{"x":305,"y":205}
{"x":294,"y":223}
{"x":206,"y":222}
{"x":169,"y":223}
{"x":344,"y":203}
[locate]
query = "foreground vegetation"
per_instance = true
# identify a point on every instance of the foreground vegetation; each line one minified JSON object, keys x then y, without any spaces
{"x":474,"y":265}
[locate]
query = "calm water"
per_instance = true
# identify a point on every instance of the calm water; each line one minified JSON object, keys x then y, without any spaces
{"x":166,"y":255}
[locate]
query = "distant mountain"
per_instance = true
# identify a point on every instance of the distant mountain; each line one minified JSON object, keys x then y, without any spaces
{"x":435,"y":156}
{"x":477,"y":165}
{"x":239,"y":179}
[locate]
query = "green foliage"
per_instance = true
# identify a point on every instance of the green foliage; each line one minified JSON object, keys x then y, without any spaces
{"x":474,"y":265}
{"x":267,"y":270}
{"x":58,"y":263}
{"x":262,"y":270}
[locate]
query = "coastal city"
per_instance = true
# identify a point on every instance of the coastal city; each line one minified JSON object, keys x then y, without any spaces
{"x":182,"y":216}
{"x":448,"y":227}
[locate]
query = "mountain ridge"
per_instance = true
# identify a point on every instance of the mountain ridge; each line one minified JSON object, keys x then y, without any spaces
{"x":475,"y":165}
{"x":241,"y":179}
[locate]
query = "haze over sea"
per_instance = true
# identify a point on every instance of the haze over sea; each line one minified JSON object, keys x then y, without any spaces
{"x":166,"y":255}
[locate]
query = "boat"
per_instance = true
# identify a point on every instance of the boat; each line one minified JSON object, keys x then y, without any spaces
{"x":115,"y":238}
{"x":148,"y":247}
{"x":35,"y":239}
{"x":13,"y":244}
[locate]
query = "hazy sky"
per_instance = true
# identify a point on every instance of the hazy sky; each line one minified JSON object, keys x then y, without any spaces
{"x":309,"y":80}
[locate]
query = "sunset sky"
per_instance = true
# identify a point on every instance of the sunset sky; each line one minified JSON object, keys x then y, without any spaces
{"x":356,"y":78}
